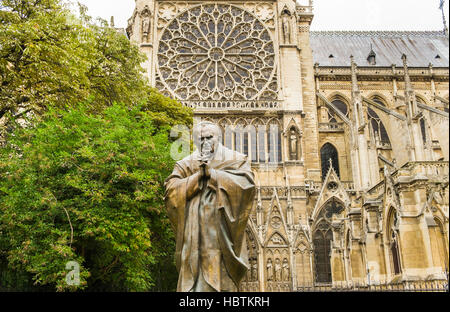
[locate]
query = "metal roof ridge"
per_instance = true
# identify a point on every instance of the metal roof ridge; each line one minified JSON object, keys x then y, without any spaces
{"x":439,"y":33}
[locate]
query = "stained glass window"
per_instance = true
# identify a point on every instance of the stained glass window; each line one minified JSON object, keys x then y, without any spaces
{"x":322,"y":253}
{"x":328,"y":152}
{"x":423,"y":130}
{"x":217,"y":52}
{"x":378,"y":129}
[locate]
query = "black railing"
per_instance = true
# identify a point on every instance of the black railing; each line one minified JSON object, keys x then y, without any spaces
{"x":416,"y":286}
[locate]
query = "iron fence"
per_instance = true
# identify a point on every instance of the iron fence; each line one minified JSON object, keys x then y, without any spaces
{"x":416,"y":286}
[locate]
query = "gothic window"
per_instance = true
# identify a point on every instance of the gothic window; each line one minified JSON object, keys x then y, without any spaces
{"x":341,"y":106}
{"x":240,"y":133}
{"x":225,"y":136}
{"x":217,"y":52}
{"x":327,"y":152}
{"x":274,"y":143}
{"x":377,"y":128}
{"x":322,"y":252}
{"x":228,"y":137}
{"x":423,"y":130}
{"x":254,"y":146}
{"x":266,"y":143}
{"x":333,"y":207}
{"x":322,"y":239}
{"x":303,"y":261}
{"x":378,"y":100}
{"x":394,"y":253}
{"x":261,"y":131}
{"x":438,"y":245}
{"x":393,"y":243}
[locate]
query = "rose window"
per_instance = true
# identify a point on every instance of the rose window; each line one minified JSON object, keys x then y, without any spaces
{"x":217,"y":52}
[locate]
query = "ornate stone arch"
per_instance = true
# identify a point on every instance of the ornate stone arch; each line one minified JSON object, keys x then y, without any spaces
{"x":439,"y":243}
{"x":347,"y":253}
{"x":322,"y":237}
{"x":258,"y":141}
{"x":251,"y":279}
{"x":382,"y":100}
{"x":274,"y":140}
{"x":316,"y":216}
{"x":302,"y":257}
{"x":293,"y":135}
{"x":225,"y":123}
{"x":240,"y":135}
{"x":423,"y":99}
{"x":378,"y":128}
{"x":392,"y":242}
{"x":339,"y":96}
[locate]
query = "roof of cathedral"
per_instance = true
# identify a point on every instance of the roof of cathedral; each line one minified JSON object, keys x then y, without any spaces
{"x":333,"y":48}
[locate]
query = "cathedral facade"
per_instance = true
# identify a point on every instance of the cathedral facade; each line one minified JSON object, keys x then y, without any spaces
{"x":347,"y":134}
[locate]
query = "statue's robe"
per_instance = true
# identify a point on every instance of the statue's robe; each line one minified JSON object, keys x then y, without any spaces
{"x":210,"y":217}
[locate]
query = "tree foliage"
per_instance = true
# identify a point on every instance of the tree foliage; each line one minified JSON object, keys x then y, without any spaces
{"x":49,"y":57}
{"x":83,"y":180}
{"x":86,"y":188}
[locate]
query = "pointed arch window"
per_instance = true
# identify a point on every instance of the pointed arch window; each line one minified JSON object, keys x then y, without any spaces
{"x":274,"y":142}
{"x":327,"y":152}
{"x":341,"y":106}
{"x":322,"y":239}
{"x":394,"y":251}
{"x":322,"y":250}
{"x":439,"y":245}
{"x":378,"y":100}
{"x":377,"y":128}
{"x":423,"y":130}
{"x":265,"y":143}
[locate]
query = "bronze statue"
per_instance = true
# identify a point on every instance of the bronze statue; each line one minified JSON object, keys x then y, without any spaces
{"x":208,"y":197}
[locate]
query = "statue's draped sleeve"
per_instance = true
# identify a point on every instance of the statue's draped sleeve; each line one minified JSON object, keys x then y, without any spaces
{"x":235,"y":191}
{"x":180,"y":186}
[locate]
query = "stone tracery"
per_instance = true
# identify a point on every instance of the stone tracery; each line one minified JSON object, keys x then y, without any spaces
{"x":216,"y":52}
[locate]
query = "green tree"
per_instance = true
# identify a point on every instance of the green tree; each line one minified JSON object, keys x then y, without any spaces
{"x":81,"y":182}
{"x":49,"y":57}
{"x":88,"y":188}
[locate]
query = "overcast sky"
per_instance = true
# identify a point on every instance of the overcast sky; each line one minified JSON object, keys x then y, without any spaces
{"x":329,"y":14}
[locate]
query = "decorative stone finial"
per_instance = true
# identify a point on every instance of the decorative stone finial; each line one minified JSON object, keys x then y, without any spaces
{"x":372,"y":57}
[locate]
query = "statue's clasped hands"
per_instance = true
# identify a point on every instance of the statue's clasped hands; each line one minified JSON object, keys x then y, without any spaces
{"x":206,"y":155}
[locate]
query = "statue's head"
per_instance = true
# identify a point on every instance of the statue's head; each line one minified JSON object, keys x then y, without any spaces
{"x":206,"y":137}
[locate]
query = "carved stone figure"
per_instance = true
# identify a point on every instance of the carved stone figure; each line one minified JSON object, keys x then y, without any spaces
{"x":286,"y":24}
{"x":293,"y":145}
{"x":269,"y":269}
{"x":285,"y":270}
{"x":208,"y":198}
{"x":277,"y":268}
{"x":146,"y":15}
{"x":254,"y":270}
